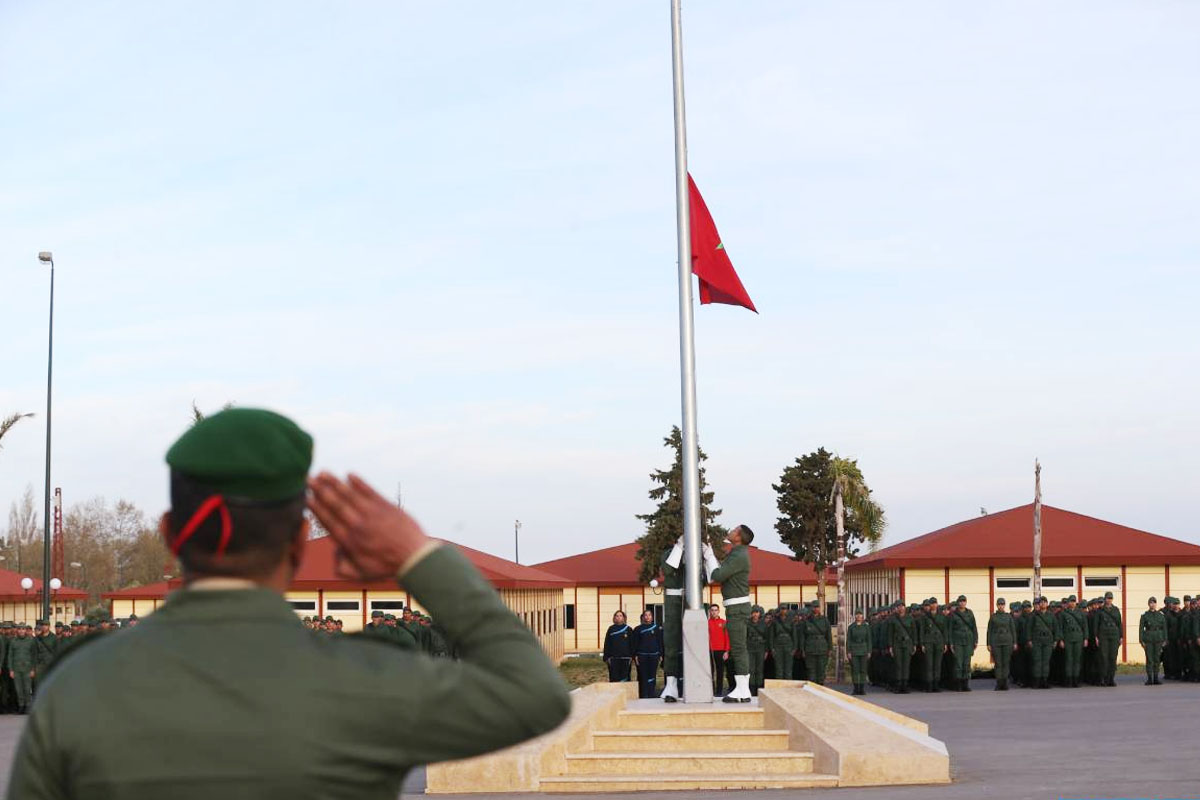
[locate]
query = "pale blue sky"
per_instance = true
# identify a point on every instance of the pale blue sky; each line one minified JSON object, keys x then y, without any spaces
{"x":441,"y":236}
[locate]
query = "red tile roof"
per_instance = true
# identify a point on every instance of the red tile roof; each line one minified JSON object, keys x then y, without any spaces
{"x":317,"y":571}
{"x":11,"y":591}
{"x":618,"y":566}
{"x":1005,"y":539}
{"x":149,"y":591}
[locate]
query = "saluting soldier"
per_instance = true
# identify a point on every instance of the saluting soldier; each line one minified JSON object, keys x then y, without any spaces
{"x":1001,"y":642}
{"x":756,"y":646}
{"x":858,"y":649}
{"x":242,"y":724}
{"x":901,"y":644}
{"x":818,"y":641}
{"x":1152,"y":633}
{"x":1109,"y":633}
{"x":733,"y":574}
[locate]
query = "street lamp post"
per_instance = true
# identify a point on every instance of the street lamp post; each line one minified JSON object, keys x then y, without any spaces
{"x":46,"y":257}
{"x":55,"y":585}
{"x":26,"y":585}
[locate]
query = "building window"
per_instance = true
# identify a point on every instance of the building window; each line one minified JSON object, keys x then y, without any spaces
{"x":831,"y":612}
{"x":1101,"y":582}
{"x":387,"y":605}
{"x":792,"y":606}
{"x":1058,"y":583}
{"x":657,"y":610}
{"x":1013,"y":583}
{"x":303,"y":605}
{"x":569,"y":616}
{"x":343,"y":605}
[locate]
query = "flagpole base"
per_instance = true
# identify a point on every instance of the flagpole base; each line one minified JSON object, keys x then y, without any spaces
{"x":697,"y":668}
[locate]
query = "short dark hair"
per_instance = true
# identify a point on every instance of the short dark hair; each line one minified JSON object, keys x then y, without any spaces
{"x":262,"y":531}
{"x":747,"y":534}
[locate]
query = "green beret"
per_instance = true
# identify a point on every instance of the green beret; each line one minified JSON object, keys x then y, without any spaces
{"x":245,"y":453}
{"x":1108,"y":595}
{"x":1000,"y":601}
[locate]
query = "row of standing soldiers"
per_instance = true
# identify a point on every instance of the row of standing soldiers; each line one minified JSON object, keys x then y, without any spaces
{"x":1179,"y":648}
{"x":27,"y":652}
{"x":412,"y":631}
{"x":789,"y":644}
{"x":933,"y":642}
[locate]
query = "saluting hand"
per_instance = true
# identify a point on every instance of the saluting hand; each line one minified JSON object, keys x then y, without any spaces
{"x":375,"y":538}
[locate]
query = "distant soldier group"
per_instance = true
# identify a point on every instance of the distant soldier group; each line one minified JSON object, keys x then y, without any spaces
{"x":411,"y":631}
{"x":26,"y":653}
{"x":1179,"y":647}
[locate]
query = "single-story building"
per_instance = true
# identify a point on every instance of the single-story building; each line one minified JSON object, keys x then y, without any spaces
{"x":605,"y":581}
{"x":992,"y":556}
{"x":317,"y":590}
{"x":25,"y":605}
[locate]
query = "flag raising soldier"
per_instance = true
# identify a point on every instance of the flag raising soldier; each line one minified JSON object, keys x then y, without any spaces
{"x":673,"y":581}
{"x":734,"y":576}
{"x":1152,"y":634}
{"x":246,"y":685}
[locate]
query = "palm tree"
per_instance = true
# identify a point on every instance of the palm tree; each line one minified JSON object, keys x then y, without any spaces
{"x":849,"y":489}
{"x":9,"y":421}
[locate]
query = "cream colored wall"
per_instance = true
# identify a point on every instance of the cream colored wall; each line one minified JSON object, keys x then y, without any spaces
{"x":1141,"y":583}
{"x":920,"y":584}
{"x":1185,"y":580}
{"x":586,"y":630}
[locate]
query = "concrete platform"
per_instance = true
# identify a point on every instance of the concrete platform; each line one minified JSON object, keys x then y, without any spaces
{"x":793,"y":735}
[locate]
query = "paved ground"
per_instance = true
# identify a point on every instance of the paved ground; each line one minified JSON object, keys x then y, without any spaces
{"x":1131,"y":741}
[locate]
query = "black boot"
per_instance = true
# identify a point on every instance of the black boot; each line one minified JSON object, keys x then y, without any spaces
{"x":966,"y":684}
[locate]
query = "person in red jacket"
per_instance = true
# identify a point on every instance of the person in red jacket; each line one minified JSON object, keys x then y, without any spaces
{"x":718,"y":648}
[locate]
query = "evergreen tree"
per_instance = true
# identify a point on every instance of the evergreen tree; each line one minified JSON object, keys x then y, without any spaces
{"x":807,"y":523}
{"x":665,"y":524}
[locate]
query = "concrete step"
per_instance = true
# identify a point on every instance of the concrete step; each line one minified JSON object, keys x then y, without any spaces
{"x":684,"y":740}
{"x":693,"y":763}
{"x":733,"y":718}
{"x":658,"y":783}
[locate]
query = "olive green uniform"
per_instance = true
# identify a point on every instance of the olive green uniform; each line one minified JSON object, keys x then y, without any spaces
{"x":962,"y":642}
{"x":756,"y":646}
{"x":1001,"y":636}
{"x":1074,"y":629}
{"x":734,"y":576}
{"x":818,"y":641}
{"x":673,"y":585}
{"x":1043,"y":636}
{"x":1152,"y":634}
{"x":21,"y":660}
{"x":858,"y":646}
{"x":1109,"y":631}
{"x":781,"y":641}
{"x":260,"y":708}
{"x":902,"y":641}
{"x":931,"y":635}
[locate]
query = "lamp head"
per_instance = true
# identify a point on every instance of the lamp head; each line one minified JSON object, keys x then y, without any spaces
{"x":654,"y":583}
{"x":55,"y":584}
{"x":27,"y":583}
{"x":46,"y":257}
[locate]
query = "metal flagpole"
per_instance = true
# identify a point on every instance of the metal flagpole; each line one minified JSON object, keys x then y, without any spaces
{"x":696,"y":669}
{"x":1037,"y":530}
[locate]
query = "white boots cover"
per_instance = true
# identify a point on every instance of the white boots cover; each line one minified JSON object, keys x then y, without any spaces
{"x":671,"y":693}
{"x":741,"y":692}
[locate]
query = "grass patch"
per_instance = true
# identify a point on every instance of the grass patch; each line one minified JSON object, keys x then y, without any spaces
{"x":583,"y":670}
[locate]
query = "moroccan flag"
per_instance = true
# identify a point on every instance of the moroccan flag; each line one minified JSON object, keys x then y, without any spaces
{"x":718,"y":281}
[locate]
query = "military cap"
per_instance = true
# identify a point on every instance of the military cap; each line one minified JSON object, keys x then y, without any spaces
{"x":389,"y":616}
{"x":41,"y":622}
{"x":245,"y":453}
{"x":1071,"y":598}
{"x":1108,"y":595}
{"x":1152,"y":600}
{"x":961,"y":598}
{"x":58,"y":624}
{"x":1055,"y":604}
{"x":376,"y":614}
{"x":132,"y":617}
{"x":1000,"y":601}
{"x":329,"y":619}
{"x":759,"y":609}
{"x":1026,"y":604}
{"x":1187,"y":598}
{"x":308,"y":619}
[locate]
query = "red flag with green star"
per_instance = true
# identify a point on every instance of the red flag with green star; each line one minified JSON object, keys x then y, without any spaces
{"x":719,"y":283}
